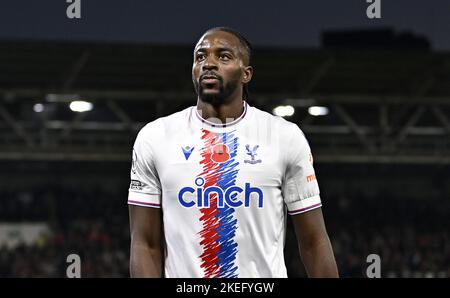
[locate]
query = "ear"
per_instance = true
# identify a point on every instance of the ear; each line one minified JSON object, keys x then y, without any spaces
{"x":248,"y":74}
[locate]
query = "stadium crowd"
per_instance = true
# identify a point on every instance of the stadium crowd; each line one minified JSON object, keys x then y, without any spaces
{"x":410,"y":236}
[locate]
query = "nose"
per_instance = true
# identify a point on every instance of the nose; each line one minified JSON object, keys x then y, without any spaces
{"x":209,"y":63}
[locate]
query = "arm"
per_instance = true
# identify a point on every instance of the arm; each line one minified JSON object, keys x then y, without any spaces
{"x":315,"y":247}
{"x":146,"y":245}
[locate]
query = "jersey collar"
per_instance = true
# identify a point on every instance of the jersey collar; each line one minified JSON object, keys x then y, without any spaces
{"x":207,"y":123}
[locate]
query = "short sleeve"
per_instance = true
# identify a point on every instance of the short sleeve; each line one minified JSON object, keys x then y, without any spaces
{"x":300,"y":187}
{"x":145,"y":187}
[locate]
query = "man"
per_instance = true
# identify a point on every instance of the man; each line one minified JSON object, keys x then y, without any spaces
{"x":211,"y":183}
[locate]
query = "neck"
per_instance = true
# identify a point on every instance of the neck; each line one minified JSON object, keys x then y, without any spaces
{"x":221,"y":114}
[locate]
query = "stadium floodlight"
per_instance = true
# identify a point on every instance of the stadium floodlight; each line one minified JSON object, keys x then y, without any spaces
{"x":318,"y":111}
{"x":284,"y":111}
{"x":81,"y":106}
{"x":38,"y":107}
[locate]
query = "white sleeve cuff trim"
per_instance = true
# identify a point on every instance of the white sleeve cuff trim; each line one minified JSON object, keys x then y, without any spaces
{"x":143,"y":199}
{"x":144,"y":204}
{"x":304,"y":205}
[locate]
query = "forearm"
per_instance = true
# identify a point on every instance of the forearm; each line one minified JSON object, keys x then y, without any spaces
{"x":145,"y":261}
{"x":318,"y":259}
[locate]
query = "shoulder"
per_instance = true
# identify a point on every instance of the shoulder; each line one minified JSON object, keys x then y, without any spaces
{"x":162,"y":126}
{"x":281,"y":125}
{"x":287,"y":134}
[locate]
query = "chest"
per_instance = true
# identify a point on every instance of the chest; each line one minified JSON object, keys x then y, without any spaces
{"x":233,"y":158}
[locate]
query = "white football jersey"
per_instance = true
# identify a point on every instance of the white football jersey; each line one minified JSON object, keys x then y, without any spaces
{"x":224,"y":190}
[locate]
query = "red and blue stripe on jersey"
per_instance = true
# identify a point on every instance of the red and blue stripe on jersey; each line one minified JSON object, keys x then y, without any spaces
{"x":219,"y":225}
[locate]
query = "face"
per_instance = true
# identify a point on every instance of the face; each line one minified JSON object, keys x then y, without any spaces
{"x":220,"y":67}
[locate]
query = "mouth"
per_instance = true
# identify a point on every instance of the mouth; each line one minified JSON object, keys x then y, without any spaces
{"x":209,"y":79}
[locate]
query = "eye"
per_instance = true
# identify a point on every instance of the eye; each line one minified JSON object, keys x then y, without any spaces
{"x":200,"y":57}
{"x":225,"y":57}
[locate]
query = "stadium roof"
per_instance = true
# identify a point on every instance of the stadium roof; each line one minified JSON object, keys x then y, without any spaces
{"x":385,"y":104}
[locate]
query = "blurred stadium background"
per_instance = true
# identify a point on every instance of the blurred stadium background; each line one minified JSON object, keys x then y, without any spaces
{"x":381,"y":151}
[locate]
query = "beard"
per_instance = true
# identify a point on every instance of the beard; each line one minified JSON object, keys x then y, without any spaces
{"x":221,"y":97}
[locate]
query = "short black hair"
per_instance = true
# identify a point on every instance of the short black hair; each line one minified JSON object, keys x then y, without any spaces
{"x":247,"y":46}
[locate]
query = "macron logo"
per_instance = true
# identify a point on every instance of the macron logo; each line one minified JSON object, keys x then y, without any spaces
{"x":187,"y":151}
{"x":189,"y":196}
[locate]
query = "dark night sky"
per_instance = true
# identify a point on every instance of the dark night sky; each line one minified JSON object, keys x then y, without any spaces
{"x":270,"y":23}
